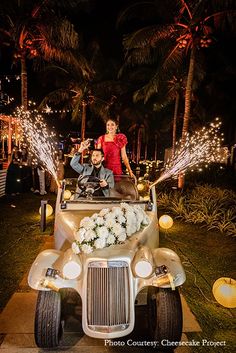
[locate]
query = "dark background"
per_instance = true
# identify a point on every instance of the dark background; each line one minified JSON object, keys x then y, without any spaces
{"x":97,"y":21}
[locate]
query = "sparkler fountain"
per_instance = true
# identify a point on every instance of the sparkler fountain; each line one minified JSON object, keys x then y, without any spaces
{"x":203,"y":146}
{"x":40,"y":143}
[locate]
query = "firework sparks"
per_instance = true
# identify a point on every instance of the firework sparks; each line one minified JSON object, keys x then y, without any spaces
{"x":203,"y":146}
{"x":40,"y":143}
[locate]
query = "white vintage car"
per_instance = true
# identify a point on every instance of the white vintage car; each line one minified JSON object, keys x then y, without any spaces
{"x":108,"y":280}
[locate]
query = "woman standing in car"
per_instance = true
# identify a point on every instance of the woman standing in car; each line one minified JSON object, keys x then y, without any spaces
{"x":113,"y":145}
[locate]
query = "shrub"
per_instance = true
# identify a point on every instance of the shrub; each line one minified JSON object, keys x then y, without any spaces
{"x":206,"y":205}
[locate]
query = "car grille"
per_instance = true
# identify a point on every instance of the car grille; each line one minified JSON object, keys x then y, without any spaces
{"x":108,"y":294}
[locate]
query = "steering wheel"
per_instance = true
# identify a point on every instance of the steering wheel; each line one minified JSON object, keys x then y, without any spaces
{"x":90,"y":186}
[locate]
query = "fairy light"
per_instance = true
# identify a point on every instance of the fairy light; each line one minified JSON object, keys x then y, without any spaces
{"x":40,"y":143}
{"x":203,"y":147}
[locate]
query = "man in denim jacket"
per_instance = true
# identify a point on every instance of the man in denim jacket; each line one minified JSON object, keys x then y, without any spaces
{"x":95,"y":169}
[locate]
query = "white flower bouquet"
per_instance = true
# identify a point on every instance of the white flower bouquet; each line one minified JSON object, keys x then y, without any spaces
{"x":108,"y":227}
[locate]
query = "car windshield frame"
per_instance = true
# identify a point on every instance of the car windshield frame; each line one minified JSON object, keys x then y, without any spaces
{"x":72,"y":182}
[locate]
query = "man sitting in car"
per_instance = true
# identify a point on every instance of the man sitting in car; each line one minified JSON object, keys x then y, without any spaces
{"x":95,"y":169}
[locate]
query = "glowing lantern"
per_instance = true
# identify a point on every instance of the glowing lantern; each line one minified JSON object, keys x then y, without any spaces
{"x":67,"y":194}
{"x":165,"y":221}
{"x":49,"y":210}
{"x":224,"y":291}
{"x":140,"y":186}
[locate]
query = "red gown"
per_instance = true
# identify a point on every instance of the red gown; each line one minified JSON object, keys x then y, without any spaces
{"x":112,"y":152}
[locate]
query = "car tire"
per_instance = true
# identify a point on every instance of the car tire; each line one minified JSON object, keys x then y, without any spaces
{"x":165,"y":317}
{"x":48,"y":326}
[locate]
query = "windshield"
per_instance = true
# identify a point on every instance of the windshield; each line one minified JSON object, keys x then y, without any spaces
{"x":124,"y":190}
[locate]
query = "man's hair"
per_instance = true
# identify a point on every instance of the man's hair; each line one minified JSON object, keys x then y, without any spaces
{"x":97,"y":150}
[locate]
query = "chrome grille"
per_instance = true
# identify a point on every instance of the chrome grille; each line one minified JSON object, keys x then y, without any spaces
{"x":108,"y":294}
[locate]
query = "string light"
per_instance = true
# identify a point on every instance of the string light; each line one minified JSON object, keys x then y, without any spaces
{"x":41,"y":144}
{"x":9,"y":78}
{"x":203,"y":147}
{"x":47,"y":109}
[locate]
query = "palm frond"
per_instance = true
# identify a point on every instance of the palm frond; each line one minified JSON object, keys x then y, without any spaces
{"x":148,"y":36}
{"x":174,"y":58}
{"x":55,"y":97}
{"x":135,"y":10}
{"x":77,"y":111}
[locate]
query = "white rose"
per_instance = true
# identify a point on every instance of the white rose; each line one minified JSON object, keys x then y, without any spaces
{"x":90,"y":235}
{"x":117,"y":229}
{"x":122,"y":237}
{"x":79,"y":235}
{"x":125,"y":206}
{"x":117,"y":211}
{"x":121,"y":219}
{"x":75,"y":248}
{"x":109,"y":216}
{"x":130,"y":229}
{"x":99,"y":221}
{"x":111,"y":239}
{"x":131,"y":219}
{"x":86,"y":248}
{"x":146,"y":221}
{"x":109,"y":223}
{"x":94,"y":216}
{"x":104,"y":211}
{"x":102,"y":232}
{"x":87,"y":223}
{"x":100,"y":243}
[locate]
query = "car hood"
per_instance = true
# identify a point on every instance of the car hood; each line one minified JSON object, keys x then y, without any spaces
{"x":68,"y":222}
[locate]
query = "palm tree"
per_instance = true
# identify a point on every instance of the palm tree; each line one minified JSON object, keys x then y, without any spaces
{"x":173,"y":91}
{"x":100,"y":93}
{"x":35,"y":31}
{"x":176,"y":43}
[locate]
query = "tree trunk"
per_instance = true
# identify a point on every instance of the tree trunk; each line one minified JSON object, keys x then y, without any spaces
{"x":83,"y":124}
{"x":139,"y":144}
{"x":133,"y":147}
{"x":145,"y":151}
{"x":24,"y":84}
{"x":187,"y":108}
{"x":9,"y":143}
{"x":155,"y":151}
{"x":175,"y":122}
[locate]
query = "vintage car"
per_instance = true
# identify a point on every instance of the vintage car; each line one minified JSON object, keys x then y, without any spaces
{"x":109,"y":279}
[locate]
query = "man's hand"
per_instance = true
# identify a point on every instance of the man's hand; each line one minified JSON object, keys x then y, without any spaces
{"x":103,"y":183}
{"x":84,"y":145}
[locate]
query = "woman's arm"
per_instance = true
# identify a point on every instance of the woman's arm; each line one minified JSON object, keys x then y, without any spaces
{"x":126,"y":161}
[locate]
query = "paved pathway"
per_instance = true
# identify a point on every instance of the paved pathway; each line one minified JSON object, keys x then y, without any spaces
{"x":17,"y":327}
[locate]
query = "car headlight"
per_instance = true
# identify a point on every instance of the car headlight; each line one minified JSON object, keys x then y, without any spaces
{"x":72,"y":266}
{"x":142,"y":264}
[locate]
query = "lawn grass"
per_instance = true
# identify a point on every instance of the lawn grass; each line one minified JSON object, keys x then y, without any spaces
{"x":206,"y":256}
{"x":20,"y":238}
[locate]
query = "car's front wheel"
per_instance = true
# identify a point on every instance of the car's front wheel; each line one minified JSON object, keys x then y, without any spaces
{"x":48,"y":328}
{"x":164,"y":316}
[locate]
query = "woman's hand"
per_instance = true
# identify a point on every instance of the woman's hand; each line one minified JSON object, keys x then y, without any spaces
{"x":131,"y":174}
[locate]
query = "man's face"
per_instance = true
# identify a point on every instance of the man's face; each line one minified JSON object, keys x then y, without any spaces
{"x":96,"y":158}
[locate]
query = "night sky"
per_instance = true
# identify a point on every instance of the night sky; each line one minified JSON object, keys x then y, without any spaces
{"x":97,"y":21}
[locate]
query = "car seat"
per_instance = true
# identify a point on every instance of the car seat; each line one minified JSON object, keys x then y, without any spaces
{"x":125,"y":189}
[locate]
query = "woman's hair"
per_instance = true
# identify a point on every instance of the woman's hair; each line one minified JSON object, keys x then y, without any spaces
{"x":114,"y":120}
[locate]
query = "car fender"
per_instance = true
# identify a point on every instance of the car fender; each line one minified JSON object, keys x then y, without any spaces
{"x":167,"y":257}
{"x":37,"y":273}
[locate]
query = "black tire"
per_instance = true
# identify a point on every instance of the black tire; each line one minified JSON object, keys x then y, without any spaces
{"x":48,"y":328}
{"x":165,"y":317}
